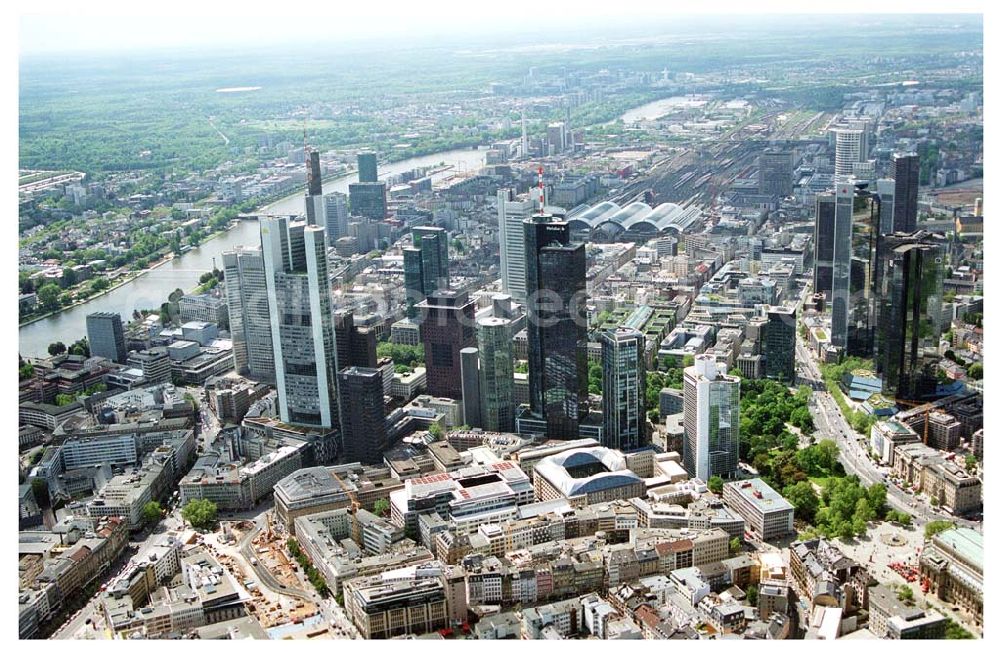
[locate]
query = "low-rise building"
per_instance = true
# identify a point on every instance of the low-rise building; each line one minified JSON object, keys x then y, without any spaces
{"x":767,"y":514}
{"x":237,"y":486}
{"x":468,"y":497}
{"x":890,"y":617}
{"x":952,"y":566}
{"x":585,"y":476}
{"x":823,"y":575}
{"x":928,"y":470}
{"x":322,"y":488}
{"x":396,"y":603}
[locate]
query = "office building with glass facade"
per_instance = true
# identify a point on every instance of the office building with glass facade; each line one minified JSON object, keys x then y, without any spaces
{"x":624,"y":390}
{"x":711,"y":420}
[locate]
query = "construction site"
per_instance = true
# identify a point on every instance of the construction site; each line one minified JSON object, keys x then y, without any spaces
{"x":264,"y":568}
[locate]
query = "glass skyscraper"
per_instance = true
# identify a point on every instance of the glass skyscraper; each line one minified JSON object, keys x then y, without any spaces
{"x":245,"y":283}
{"x":367,"y":167}
{"x":556,"y":285}
{"x":425,"y":264}
{"x":447,"y":325}
{"x":105,"y":336}
{"x":496,"y":374}
{"x":302,"y":329}
{"x":624,"y":391}
{"x":823,"y":235}
{"x":779,"y":344}
{"x":511,"y":215}
{"x":711,"y":420}
{"x":906,"y":172}
{"x":909,"y":313}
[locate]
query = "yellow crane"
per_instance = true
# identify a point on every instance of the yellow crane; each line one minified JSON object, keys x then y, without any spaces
{"x":355,"y":505}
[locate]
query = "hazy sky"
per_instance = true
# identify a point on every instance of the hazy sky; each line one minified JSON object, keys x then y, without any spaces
{"x":104,"y":25}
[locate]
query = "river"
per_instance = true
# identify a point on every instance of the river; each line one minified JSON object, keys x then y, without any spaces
{"x":660,"y":108}
{"x":151,"y":289}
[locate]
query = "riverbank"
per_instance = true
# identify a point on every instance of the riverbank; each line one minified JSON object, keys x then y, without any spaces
{"x":108,"y":290}
{"x":148,"y":290}
{"x":131,"y":277}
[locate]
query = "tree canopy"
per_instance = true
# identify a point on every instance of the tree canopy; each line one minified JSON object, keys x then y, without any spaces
{"x":200,"y":512}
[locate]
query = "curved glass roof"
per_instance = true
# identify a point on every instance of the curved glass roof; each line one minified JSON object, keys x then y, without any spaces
{"x":594,"y":216}
{"x":608,"y":221}
{"x":631,"y":214}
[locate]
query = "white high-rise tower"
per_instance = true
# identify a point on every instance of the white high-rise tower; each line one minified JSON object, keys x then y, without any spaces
{"x":711,"y":419}
{"x":302,"y":330}
{"x":511,"y":215}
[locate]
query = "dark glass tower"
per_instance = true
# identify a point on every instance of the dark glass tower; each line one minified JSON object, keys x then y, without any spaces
{"x":106,"y":336}
{"x":556,"y":286}
{"x":425,"y":264}
{"x":779,"y":344}
{"x":368,"y":199}
{"x":367,"y":167}
{"x":823,"y":244}
{"x":866,"y":249}
{"x":363,"y":420}
{"x":906,"y":172}
{"x":774,"y":176}
{"x":356,"y":345}
{"x":909,"y":309}
{"x":315,"y":209}
{"x":624,"y":388}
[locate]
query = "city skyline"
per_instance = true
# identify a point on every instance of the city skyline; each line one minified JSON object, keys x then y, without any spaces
{"x":549,"y":323}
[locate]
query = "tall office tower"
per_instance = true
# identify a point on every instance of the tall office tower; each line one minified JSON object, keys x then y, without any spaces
{"x":335,"y":204}
{"x":511,"y":215}
{"x":624,"y":398}
{"x":245,"y":283}
{"x":315,"y":210}
{"x":556,"y":285}
{"x":711,"y":419}
{"x":847,"y":153}
{"x":367,"y":167}
{"x":106,"y":336}
{"x":774,"y":175}
{"x":302,"y":332}
{"x":368,"y":199}
{"x":556,"y":137}
{"x":472,"y":415}
{"x":363,"y":421}
{"x":910,"y":319}
{"x":886,"y":190}
{"x":356,"y":345}
{"x":823,"y":232}
{"x":867,"y":242}
{"x":496,"y":373}
{"x":906,"y":172}
{"x":447,"y":325}
{"x":779,"y":344}
{"x":425,"y":264}
{"x":840,"y":279}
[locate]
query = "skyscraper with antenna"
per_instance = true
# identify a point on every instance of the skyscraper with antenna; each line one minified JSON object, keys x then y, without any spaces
{"x":315,"y":210}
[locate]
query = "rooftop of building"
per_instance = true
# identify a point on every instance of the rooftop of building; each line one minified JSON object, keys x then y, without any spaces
{"x":577,"y":472}
{"x":760,"y":495}
{"x":966,"y":542}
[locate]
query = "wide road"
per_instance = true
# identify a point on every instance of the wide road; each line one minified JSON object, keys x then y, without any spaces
{"x":831,"y":424}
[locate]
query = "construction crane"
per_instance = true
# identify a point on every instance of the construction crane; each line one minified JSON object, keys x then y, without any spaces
{"x":355,"y":505}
